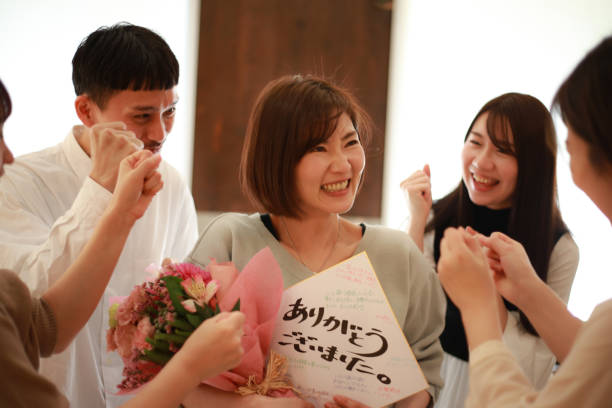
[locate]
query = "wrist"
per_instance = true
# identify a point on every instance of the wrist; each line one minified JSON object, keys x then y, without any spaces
{"x":482,"y":323}
{"x":531,"y":294}
{"x":120,"y":220}
{"x":107,"y":182}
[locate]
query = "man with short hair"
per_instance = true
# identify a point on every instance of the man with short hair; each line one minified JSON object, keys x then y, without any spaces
{"x":125,"y":79}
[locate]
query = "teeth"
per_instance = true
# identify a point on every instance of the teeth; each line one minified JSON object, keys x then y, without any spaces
{"x":482,"y":180}
{"x":335,"y":186}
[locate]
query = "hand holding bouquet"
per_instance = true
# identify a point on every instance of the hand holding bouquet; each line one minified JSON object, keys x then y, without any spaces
{"x":149,"y":326}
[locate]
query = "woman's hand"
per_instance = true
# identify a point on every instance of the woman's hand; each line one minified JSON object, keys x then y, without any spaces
{"x":513,"y":274}
{"x":463,"y":270}
{"x":341,"y":401}
{"x":137,"y":183}
{"x":215,"y":346}
{"x":417,"y":192}
{"x":465,"y":275}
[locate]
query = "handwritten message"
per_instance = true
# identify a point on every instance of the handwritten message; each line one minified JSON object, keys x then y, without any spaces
{"x":341,"y":337}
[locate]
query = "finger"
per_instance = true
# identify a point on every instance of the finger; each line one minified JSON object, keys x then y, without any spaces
{"x":347,"y":402}
{"x":499,"y":243}
{"x":472,"y":243}
{"x":135,"y":158}
{"x":495,"y":266}
{"x":139,"y":144}
{"x":427,"y":171}
{"x":473,"y":232}
{"x":110,"y":125}
{"x":220,"y":317}
{"x":502,"y":236}
{"x":491,"y":254}
{"x":237,"y":318}
{"x":449,"y":240}
{"x":151,"y":182}
{"x":148,"y":165}
{"x":418,"y":187}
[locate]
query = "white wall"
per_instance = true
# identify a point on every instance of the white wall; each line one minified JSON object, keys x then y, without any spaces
{"x":448,"y":59}
{"x":37,"y":41}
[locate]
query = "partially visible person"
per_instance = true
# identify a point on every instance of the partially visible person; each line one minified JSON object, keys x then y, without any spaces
{"x":509,"y":186}
{"x":473,"y":277}
{"x":302,"y":164}
{"x":125,"y":79}
{"x":32,"y":326}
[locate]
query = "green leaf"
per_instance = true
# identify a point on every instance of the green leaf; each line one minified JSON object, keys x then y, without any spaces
{"x":182,"y":324}
{"x":174,"y":338}
{"x":205,"y":312}
{"x":183,"y":333}
{"x":194,"y":319}
{"x":176,"y":293}
{"x":236,"y":307}
{"x":156,"y":357}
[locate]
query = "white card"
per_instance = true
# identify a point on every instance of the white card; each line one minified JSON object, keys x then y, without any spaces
{"x":340,"y":336}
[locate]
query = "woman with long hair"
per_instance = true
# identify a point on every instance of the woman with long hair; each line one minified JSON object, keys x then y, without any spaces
{"x":584,"y":349}
{"x":508,"y":185}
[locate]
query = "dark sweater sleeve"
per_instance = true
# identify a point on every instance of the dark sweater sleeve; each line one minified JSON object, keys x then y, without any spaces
{"x":26,"y":326}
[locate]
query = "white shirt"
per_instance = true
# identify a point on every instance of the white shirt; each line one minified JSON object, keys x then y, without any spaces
{"x":48,"y":210}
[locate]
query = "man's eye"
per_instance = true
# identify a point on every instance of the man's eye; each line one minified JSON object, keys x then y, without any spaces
{"x":142,"y":116}
{"x":170,"y":112}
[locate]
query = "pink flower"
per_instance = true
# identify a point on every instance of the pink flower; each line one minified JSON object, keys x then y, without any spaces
{"x":128,"y":310}
{"x":144,"y":329}
{"x":199,"y":290}
{"x":186,"y":271}
{"x":123,"y":337}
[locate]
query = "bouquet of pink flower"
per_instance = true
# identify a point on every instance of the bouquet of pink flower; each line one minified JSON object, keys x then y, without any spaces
{"x":151,"y":324}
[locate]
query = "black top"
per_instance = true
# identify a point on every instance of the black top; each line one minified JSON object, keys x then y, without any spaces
{"x":267,"y":221}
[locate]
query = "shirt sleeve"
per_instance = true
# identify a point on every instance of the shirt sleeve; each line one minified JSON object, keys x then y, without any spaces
{"x":531,"y":353}
{"x":40,"y":253}
{"x":496,"y":380}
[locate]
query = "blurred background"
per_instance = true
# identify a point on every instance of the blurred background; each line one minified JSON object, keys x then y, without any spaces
{"x":421,"y":68}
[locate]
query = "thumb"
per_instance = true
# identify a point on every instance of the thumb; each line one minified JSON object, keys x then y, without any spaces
{"x":471,"y":242}
{"x":497,"y":243}
{"x":141,"y":163}
{"x":427,"y":171}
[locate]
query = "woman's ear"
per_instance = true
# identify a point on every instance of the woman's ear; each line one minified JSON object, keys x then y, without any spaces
{"x":86,"y":110}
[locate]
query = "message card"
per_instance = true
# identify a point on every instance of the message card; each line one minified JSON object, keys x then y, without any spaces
{"x":340,"y":336}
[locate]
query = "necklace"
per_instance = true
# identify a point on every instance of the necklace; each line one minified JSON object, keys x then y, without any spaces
{"x":292,"y":242}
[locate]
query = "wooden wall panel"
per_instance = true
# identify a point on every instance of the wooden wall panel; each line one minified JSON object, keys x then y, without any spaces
{"x":246,"y":43}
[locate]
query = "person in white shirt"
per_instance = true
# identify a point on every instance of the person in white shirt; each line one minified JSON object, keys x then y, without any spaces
{"x":125,"y":78}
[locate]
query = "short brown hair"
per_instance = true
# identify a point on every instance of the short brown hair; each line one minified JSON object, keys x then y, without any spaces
{"x":291,"y":115}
